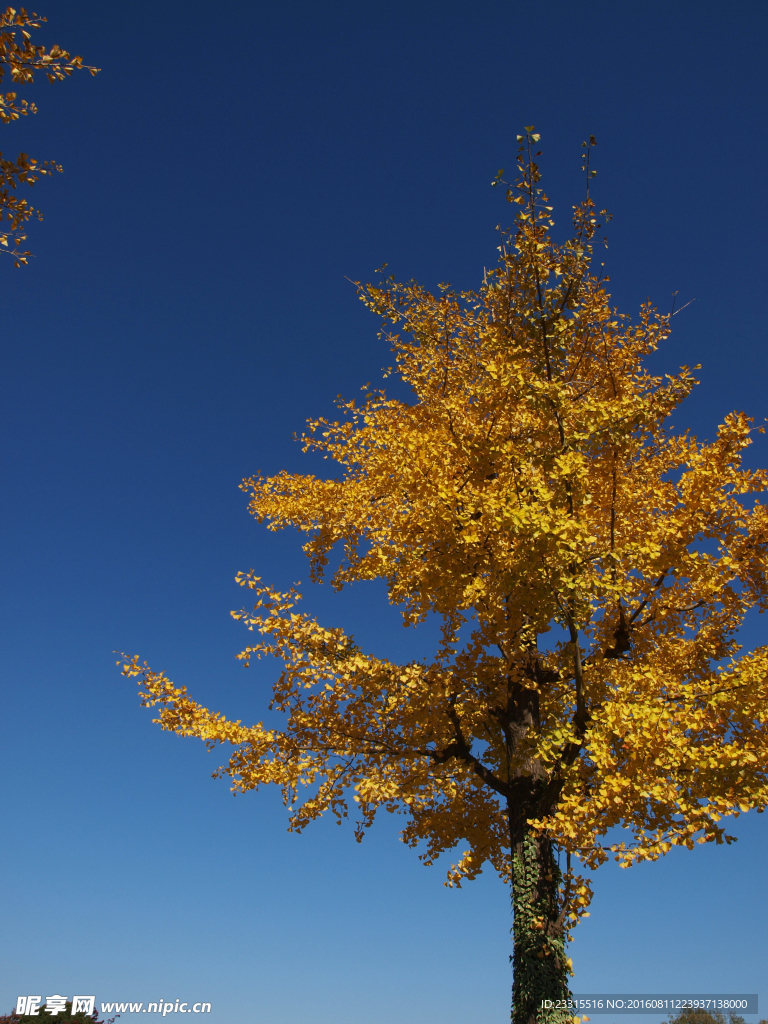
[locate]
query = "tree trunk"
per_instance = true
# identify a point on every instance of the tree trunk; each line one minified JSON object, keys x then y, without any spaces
{"x":539,"y":960}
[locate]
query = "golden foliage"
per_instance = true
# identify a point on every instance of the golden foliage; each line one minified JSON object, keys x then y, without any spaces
{"x":21,"y":58}
{"x":590,"y":567}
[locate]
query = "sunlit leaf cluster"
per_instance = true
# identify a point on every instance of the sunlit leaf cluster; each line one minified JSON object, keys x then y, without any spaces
{"x":22,"y":59}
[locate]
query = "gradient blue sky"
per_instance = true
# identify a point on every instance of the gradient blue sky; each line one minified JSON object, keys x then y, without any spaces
{"x":186,"y":310}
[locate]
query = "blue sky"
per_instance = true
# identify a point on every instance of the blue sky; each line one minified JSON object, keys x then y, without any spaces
{"x":187,"y":309}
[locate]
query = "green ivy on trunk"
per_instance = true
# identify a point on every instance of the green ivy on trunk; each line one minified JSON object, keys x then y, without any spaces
{"x":539,"y":961}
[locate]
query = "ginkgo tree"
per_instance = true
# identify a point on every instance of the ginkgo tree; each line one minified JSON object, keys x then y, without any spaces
{"x":22,"y":59}
{"x":590,"y":569}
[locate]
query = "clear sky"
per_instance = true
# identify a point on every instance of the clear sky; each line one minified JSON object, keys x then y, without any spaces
{"x":187,"y":309}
